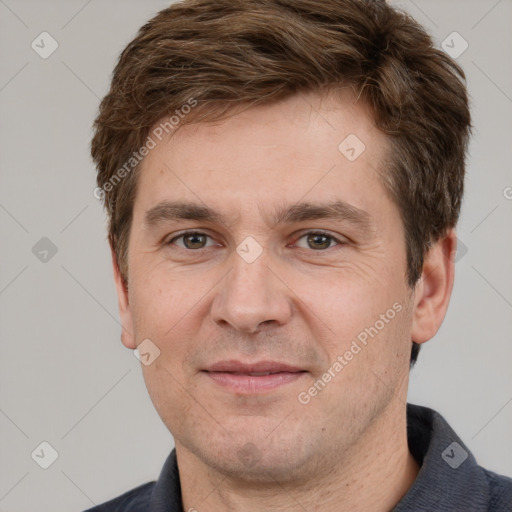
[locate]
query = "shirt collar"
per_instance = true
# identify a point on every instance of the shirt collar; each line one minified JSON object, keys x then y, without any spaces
{"x":449,"y":477}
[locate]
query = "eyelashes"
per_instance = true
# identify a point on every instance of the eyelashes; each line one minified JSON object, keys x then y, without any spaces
{"x":313,"y":234}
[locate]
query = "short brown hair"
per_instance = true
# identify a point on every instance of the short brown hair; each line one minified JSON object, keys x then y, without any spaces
{"x":248,"y":52}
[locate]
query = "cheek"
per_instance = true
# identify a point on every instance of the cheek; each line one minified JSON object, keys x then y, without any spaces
{"x":343,"y":304}
{"x":387,"y":344}
{"x":158,"y":303}
{"x":372,"y":332}
{"x":167,"y":311}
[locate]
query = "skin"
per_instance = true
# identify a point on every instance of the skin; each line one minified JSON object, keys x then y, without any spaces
{"x":346,"y":449}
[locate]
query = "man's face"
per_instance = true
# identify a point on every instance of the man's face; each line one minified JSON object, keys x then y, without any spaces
{"x":248,"y":295}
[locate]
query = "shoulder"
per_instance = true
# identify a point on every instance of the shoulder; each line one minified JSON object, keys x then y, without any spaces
{"x":135,"y":500}
{"x":500,"y":492}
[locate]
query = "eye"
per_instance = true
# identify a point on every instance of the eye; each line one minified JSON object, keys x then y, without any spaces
{"x":318,"y":240}
{"x":191,"y":240}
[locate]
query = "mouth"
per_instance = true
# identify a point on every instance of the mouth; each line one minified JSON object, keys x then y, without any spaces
{"x":253,"y":378}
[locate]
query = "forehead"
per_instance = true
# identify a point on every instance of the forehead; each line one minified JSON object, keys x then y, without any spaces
{"x":306,"y":148}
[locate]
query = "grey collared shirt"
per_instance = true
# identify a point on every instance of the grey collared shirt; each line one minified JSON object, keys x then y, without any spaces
{"x":450,"y":480}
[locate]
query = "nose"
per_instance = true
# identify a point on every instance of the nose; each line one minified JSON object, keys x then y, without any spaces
{"x":252,"y":295}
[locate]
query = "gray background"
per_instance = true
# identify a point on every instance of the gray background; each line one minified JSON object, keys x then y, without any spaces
{"x":65,"y":376}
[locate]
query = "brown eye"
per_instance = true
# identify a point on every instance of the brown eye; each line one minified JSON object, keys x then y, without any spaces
{"x":192,"y":240}
{"x":319,"y":241}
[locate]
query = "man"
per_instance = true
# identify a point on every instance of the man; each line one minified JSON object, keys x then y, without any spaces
{"x":283,"y":179}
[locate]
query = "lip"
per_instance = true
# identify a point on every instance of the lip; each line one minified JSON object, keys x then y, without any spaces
{"x":236,"y":376}
{"x":234,"y":366}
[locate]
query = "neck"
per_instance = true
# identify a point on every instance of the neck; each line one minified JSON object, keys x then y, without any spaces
{"x":373,"y":475}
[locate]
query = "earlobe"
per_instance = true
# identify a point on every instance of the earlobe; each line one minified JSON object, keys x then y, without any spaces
{"x":434,"y":289}
{"x":127,"y":334}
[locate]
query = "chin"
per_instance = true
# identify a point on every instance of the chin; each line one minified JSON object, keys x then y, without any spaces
{"x":260,"y":460}
{"x":268,"y":470}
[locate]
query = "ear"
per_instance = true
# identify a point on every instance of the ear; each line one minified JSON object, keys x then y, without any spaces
{"x":127,"y":334}
{"x":434,"y":288}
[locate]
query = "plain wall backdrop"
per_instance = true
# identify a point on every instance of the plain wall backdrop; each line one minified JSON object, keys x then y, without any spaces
{"x":67,"y":380}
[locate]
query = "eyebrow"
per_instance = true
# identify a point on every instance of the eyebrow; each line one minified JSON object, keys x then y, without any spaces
{"x":167,"y":211}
